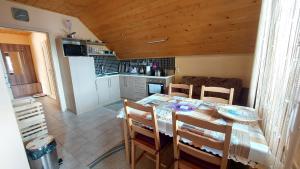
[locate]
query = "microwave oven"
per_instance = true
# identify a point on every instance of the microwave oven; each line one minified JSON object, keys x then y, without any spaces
{"x":74,"y":47}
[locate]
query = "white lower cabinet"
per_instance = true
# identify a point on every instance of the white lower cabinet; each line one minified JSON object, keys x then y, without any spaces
{"x":114,"y":89}
{"x":108,"y":89}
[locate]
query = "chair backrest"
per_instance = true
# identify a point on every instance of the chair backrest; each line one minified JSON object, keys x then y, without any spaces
{"x":230,"y":92}
{"x":200,"y":139}
{"x":180,"y":86}
{"x":138,"y":117}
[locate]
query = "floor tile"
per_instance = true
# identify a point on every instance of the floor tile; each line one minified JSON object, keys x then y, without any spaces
{"x":81,"y":138}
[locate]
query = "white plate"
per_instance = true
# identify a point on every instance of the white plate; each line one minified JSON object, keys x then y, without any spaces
{"x":238,"y":113}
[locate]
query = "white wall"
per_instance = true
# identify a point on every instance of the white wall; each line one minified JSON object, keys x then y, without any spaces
{"x":222,"y":65}
{"x":49,"y":22}
{"x":12,"y":150}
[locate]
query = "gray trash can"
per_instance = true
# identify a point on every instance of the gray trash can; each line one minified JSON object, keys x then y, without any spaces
{"x":42,"y":153}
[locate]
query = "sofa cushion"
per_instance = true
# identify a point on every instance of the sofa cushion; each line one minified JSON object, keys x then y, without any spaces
{"x":198,"y":81}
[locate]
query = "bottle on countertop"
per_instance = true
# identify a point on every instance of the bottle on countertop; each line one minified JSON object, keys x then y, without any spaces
{"x":157,"y":72}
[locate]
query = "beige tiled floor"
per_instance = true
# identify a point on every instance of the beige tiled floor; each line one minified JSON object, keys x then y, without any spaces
{"x":82,"y":138}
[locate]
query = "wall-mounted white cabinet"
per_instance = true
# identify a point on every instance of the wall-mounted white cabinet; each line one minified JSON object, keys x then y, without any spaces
{"x":108,"y":89}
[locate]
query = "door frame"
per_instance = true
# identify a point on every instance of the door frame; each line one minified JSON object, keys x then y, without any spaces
{"x":50,"y":75}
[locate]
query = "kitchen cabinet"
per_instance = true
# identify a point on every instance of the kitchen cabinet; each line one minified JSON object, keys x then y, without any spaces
{"x":126,"y":87}
{"x":114,"y":88}
{"x":108,"y":90}
{"x":133,"y":88}
{"x":140,"y":88}
{"x":81,"y":95}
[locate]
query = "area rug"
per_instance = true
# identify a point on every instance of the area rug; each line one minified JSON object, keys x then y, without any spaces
{"x":115,"y":159}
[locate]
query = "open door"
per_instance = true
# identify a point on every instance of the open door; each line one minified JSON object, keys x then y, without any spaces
{"x":20,"y":70}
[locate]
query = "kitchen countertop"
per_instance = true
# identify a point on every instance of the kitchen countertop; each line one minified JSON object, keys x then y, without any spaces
{"x":135,"y":75}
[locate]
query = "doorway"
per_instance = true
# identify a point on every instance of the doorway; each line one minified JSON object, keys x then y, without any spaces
{"x":26,"y":59}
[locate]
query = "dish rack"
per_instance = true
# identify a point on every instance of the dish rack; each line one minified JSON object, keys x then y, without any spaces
{"x":30,"y":117}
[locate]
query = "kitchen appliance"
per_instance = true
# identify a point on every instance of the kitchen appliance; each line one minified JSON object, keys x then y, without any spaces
{"x":155,"y":85}
{"x":141,"y":70}
{"x":157,"y":73}
{"x":74,"y":47}
{"x":148,"y":70}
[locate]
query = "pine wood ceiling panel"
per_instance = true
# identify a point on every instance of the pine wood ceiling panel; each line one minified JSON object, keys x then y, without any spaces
{"x":192,"y":27}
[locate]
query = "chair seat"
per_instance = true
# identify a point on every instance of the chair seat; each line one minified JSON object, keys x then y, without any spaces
{"x":188,"y":161}
{"x":150,"y":142}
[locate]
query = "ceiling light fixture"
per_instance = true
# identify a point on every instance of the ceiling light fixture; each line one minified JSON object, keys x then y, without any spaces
{"x":158,"y":41}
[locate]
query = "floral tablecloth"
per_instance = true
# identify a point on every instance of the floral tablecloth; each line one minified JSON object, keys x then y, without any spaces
{"x":248,"y":144}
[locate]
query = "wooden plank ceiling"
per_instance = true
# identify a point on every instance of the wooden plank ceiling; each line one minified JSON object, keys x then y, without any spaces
{"x":191,"y":27}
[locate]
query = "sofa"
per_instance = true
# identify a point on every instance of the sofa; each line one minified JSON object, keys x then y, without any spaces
{"x":197,"y":81}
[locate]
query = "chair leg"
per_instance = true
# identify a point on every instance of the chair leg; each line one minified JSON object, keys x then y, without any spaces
{"x":157,"y":161}
{"x":132,"y":155}
{"x":176,"y":164}
{"x":126,"y":139}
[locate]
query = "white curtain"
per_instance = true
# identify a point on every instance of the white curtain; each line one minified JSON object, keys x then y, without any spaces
{"x":275,"y":86}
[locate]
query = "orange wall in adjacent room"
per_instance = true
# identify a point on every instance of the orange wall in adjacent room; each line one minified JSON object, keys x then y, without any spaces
{"x":14,"y":39}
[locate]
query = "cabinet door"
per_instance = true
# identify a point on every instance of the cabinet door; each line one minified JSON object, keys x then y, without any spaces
{"x":126,"y":86}
{"x":114,"y":85}
{"x":140,"y":88}
{"x":103,"y":90}
{"x":130,"y":87}
{"x":122,"y":83}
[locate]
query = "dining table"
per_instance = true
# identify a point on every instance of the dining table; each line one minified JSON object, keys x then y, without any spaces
{"x":248,"y":144}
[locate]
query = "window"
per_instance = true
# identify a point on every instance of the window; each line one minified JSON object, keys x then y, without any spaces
{"x":275,"y":83}
{"x":13,"y":63}
{"x":9,"y":64}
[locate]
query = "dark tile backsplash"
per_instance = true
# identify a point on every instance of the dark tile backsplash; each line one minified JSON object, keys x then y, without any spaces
{"x":111,"y":64}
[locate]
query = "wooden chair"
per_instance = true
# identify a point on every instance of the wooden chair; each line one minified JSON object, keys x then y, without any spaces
{"x":190,"y":157}
{"x":148,"y":140}
{"x":180,"y":86}
{"x":217,"y":90}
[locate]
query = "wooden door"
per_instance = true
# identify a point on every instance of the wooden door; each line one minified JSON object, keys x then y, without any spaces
{"x":20,"y":69}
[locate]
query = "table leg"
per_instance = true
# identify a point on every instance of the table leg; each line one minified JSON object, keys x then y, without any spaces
{"x":127,"y":150}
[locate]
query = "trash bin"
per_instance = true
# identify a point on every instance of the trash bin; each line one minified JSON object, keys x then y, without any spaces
{"x":42,"y":153}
